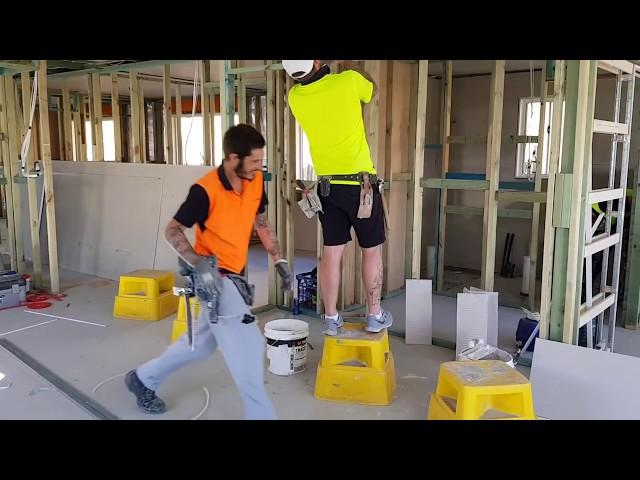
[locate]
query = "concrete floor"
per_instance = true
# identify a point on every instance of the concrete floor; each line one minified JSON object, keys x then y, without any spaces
{"x":84,"y":355}
{"x":509,"y":288}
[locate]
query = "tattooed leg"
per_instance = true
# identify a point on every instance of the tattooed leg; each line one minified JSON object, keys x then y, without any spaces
{"x":372,"y":277}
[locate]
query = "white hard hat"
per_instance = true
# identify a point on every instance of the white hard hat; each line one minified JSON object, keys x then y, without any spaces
{"x":297,"y":66}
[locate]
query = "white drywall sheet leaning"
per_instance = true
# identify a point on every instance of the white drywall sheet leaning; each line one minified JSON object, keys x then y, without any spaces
{"x":418,"y":325}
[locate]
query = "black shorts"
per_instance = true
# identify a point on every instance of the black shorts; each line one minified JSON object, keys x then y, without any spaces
{"x":340,"y":214}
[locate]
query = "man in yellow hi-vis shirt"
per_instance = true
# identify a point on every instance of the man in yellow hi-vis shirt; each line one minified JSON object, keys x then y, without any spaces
{"x":328,"y":107}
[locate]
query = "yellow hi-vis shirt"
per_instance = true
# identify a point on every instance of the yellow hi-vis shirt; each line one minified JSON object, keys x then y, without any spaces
{"x":330,"y":113}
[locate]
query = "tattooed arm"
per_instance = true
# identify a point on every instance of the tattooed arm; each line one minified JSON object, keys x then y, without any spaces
{"x":174,"y":234}
{"x":267,"y":236}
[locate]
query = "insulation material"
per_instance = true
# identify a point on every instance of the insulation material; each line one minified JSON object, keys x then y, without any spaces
{"x":476,"y":318}
{"x":578,"y":383}
{"x":418,"y":320}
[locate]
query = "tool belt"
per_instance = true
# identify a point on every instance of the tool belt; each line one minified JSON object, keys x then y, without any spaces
{"x":245,"y":288}
{"x":324,"y":181}
{"x":367,"y":182}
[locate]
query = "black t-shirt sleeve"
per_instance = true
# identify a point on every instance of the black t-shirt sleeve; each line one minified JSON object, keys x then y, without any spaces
{"x":263,"y":203}
{"x":195,"y":209}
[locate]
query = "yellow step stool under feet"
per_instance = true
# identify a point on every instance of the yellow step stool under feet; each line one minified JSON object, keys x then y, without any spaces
{"x":180,"y":323}
{"x":356,"y":367}
{"x":481,"y":390}
{"x":145,"y":295}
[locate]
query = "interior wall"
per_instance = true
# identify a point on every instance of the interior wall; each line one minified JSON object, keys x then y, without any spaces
{"x":111,"y":216}
{"x":305,"y":231}
{"x":432,"y":168}
{"x":469,"y":117}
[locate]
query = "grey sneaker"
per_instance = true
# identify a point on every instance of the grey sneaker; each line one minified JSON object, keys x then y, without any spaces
{"x":374,"y":325}
{"x":146,"y":398}
{"x":331,"y":326}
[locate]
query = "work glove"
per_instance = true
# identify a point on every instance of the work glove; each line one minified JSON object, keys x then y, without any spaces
{"x":207,"y":278}
{"x":282,"y":267}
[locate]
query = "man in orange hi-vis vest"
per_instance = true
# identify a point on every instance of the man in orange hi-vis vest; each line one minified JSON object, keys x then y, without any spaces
{"x":224,"y":206}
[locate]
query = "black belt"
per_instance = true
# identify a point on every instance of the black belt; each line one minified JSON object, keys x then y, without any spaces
{"x":356,"y":177}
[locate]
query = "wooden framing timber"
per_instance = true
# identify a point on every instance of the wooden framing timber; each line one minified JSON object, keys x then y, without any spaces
{"x":527,"y":197}
{"x":632,"y":283}
{"x":14,"y":131}
{"x":278,"y":177}
{"x":447,"y":78}
{"x":6,"y":164}
{"x":493,"y":176}
{"x":502,"y":212}
{"x":98,"y":139}
{"x":557,"y":265}
{"x":178,"y":144}
{"x":227,"y":95}
{"x":86,"y":118}
{"x":66,"y":120}
{"x":291,"y":154}
{"x":92,"y":119}
{"x":384,"y":162}
{"x":32,"y":195}
{"x":167,"y":118}
{"x":535,"y":221}
{"x":115,"y":116}
{"x":142,"y":118}
{"x":398,"y":162}
{"x":136,"y":149}
{"x":418,"y":168}
{"x":408,"y":176}
{"x":205,"y":109}
{"x":481,"y":139}
{"x":455,"y":184}
{"x":47,"y":168}
{"x":272,"y":166}
{"x":242,"y":96}
{"x":583,"y":141}
{"x":78,"y":119}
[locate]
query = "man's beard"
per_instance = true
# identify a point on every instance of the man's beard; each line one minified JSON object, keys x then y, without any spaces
{"x":242,"y":173}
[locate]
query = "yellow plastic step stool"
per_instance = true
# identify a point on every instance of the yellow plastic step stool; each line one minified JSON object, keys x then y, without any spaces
{"x":180,"y":323}
{"x":356,"y":367}
{"x":481,"y":390}
{"x":145,"y":295}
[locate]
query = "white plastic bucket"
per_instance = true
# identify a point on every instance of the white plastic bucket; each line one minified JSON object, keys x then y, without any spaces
{"x":286,"y":345}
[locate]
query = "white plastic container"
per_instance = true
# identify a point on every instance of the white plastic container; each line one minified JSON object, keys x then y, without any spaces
{"x":286,"y":346}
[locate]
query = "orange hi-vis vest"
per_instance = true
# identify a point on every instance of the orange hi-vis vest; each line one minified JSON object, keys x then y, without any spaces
{"x":227,"y":230}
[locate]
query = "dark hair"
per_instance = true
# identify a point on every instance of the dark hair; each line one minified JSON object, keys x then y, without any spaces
{"x":241,"y":139}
